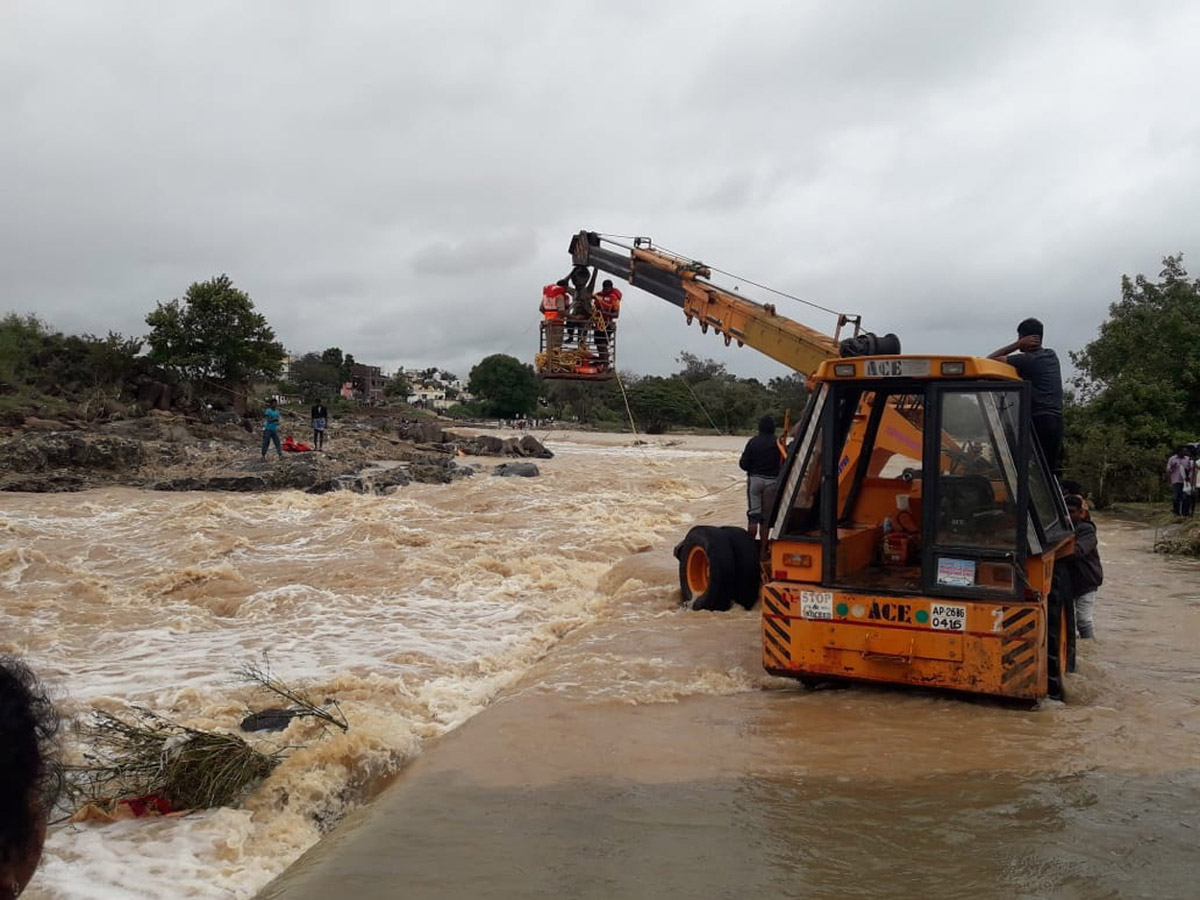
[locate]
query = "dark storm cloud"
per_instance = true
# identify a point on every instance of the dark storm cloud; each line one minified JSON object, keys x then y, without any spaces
{"x":400,"y":180}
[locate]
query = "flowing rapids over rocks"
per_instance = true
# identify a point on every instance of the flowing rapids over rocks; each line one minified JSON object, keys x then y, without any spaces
{"x":413,"y":610}
{"x":678,"y":767}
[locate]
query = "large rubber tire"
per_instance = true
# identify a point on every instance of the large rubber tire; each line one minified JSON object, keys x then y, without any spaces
{"x":1060,"y":633}
{"x":707,"y":568}
{"x":749,"y":573}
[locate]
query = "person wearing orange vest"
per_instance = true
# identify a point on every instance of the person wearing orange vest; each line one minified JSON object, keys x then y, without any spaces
{"x":608,"y":305}
{"x":554,"y":311}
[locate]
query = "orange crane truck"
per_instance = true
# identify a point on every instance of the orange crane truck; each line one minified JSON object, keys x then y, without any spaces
{"x":916,"y":535}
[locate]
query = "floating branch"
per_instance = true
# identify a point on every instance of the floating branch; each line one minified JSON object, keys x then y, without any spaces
{"x":330,"y":713}
{"x":148,"y":756}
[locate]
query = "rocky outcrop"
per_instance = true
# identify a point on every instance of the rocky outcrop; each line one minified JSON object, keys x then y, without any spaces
{"x":373,"y":480}
{"x":433,"y":437}
{"x":438,"y":471}
{"x":50,"y":462}
{"x":166,"y":451}
{"x":69,"y":449}
{"x":239,"y":483}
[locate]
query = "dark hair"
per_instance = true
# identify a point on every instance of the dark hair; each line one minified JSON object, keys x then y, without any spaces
{"x":1073,"y":501}
{"x":607,"y":283}
{"x":30,"y":773}
{"x":1071,"y":487}
{"x":766,"y":425}
{"x":562,"y":283}
{"x":1030,"y":326}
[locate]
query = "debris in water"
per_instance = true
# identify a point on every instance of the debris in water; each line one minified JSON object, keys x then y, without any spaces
{"x":150,"y":763}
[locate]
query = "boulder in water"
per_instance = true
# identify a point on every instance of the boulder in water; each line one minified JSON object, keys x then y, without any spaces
{"x":274,"y":719}
{"x":520,"y":469}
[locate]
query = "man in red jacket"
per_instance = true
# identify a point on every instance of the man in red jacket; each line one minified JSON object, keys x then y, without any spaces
{"x":608,"y":305}
{"x":554,"y":310}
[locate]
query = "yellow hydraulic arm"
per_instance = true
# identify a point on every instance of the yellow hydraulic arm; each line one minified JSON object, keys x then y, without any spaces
{"x":684,"y":282}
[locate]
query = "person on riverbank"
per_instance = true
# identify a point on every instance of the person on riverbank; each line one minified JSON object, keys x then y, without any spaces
{"x":320,"y":420}
{"x":1085,"y":563}
{"x":1040,"y":367}
{"x":760,"y":461}
{"x":1189,"y":504}
{"x":271,"y":429}
{"x":30,"y":774}
{"x":1180,"y":467}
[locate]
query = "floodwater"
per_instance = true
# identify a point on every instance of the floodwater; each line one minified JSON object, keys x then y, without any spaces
{"x":625,"y":747}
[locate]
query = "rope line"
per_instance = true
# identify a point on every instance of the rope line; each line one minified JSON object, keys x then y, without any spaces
{"x":696,"y":397}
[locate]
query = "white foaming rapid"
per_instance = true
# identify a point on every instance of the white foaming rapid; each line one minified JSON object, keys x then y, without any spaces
{"x":413,"y":611}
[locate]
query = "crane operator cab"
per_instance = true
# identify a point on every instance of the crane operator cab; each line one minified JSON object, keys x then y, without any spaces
{"x":578,"y":329}
{"x":916,"y":536}
{"x":915,"y":532}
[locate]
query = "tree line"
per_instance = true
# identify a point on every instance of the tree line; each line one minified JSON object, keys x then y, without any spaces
{"x":1135,"y":397}
{"x":701,"y":395}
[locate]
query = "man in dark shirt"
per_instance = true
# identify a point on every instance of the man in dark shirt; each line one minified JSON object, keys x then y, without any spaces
{"x":320,"y":421}
{"x":760,"y":461}
{"x":1039,"y":366}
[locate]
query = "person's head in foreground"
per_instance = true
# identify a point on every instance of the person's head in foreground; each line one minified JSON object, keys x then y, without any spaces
{"x":30,"y":774}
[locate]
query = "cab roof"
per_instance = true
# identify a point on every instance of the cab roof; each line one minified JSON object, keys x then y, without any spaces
{"x":862,"y":368}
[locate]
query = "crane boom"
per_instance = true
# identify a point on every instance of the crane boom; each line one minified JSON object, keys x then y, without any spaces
{"x":684,"y":283}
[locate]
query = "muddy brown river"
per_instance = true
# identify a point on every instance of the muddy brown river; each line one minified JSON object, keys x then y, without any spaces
{"x":511,"y":656}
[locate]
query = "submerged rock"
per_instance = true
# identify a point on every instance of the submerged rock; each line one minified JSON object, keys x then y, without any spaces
{"x":521,"y":469}
{"x":274,"y":719}
{"x":221,"y":482}
{"x":438,"y":471}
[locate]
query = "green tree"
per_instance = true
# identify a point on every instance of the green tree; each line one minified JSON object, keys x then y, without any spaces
{"x":1138,"y":387}
{"x":31,"y":352}
{"x":21,"y":337}
{"x":312,"y":377}
{"x":789,"y":392}
{"x":398,"y":386}
{"x":507,"y":386}
{"x":214,"y":335}
{"x":696,"y":370}
{"x":658,"y":403}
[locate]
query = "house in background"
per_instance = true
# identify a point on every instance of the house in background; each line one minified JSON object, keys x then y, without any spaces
{"x":368,"y":383}
{"x":434,"y":389}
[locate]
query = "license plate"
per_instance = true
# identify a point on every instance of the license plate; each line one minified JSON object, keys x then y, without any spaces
{"x":946,"y":617}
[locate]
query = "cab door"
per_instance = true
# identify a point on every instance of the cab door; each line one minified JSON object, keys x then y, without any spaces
{"x":975,"y":516}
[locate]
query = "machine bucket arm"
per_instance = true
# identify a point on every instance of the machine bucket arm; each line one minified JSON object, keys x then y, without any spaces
{"x":684,"y":283}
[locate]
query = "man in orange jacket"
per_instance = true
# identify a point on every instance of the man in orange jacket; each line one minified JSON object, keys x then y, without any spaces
{"x":554,"y":311}
{"x":608,"y":305}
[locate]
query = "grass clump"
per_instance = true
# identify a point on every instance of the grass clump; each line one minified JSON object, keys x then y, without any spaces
{"x":1182,"y":539}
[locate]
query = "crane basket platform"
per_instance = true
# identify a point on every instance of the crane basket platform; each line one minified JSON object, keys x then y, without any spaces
{"x":577,"y":350}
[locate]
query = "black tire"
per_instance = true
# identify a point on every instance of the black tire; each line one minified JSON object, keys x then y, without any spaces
{"x":707,"y":568}
{"x":749,"y":573}
{"x":1060,"y":633}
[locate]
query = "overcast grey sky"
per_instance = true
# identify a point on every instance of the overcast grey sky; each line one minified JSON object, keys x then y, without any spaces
{"x":400,"y":179}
